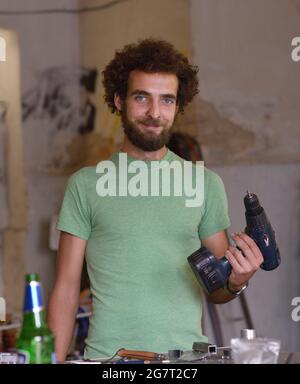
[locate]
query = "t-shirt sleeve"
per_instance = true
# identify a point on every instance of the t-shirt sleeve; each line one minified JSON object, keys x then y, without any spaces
{"x":215,"y":217}
{"x":74,"y":216}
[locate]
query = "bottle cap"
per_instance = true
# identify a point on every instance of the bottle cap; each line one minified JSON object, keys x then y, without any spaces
{"x":248,"y":334}
{"x":32,"y":277}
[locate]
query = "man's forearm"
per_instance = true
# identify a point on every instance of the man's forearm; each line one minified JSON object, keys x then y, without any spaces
{"x":61,"y":318}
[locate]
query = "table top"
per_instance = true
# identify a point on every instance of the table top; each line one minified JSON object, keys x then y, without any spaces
{"x":191,"y":357}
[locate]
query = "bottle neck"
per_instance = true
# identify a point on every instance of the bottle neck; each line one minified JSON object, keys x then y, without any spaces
{"x":34,"y":319}
{"x":33,"y":313}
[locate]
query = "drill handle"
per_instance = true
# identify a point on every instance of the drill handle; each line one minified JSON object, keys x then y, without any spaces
{"x":261,"y":231}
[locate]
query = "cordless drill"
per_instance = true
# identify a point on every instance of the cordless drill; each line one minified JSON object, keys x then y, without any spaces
{"x":212,"y":273}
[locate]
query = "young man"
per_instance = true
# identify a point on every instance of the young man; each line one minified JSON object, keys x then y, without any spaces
{"x":145,"y":296}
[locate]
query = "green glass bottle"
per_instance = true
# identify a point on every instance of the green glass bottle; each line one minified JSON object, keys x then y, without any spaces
{"x":35,"y":342}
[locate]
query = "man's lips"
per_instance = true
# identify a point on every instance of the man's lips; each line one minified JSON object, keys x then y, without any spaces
{"x":152,"y":127}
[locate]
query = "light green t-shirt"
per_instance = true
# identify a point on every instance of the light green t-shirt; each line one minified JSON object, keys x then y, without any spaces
{"x":145,"y":296}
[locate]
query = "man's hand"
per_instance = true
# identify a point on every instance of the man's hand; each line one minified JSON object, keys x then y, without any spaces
{"x":243,"y":265}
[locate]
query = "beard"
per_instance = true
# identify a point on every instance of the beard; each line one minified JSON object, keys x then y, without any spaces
{"x":146,"y":140}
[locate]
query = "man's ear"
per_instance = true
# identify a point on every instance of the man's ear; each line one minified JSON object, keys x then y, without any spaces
{"x":118,"y":102}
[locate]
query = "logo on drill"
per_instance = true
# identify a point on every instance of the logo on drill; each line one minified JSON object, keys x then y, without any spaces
{"x":2,"y":309}
{"x":2,"y":49}
{"x":266,"y":240}
{"x":296,"y":311}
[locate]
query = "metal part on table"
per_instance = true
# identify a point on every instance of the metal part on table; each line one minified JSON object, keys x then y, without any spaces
{"x":248,"y":334}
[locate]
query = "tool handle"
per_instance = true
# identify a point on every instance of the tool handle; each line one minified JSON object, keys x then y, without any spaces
{"x":142,"y":355}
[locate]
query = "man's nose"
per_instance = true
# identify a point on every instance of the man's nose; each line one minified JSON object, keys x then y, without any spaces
{"x":154,"y":109}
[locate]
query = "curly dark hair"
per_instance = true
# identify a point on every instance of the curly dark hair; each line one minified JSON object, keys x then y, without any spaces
{"x":149,"y":55}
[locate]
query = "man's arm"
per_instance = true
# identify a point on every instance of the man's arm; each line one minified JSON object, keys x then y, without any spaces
{"x":243,"y":266}
{"x":64,"y":299}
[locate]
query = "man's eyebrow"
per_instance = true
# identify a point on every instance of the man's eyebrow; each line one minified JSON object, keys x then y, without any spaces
{"x":169,"y":95}
{"x":141,"y":92}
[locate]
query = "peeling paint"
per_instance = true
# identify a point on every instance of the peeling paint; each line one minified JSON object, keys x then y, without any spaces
{"x":88,"y":150}
{"x":215,"y":131}
{"x":53,"y":98}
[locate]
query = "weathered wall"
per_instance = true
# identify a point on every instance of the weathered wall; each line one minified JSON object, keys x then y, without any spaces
{"x":48,"y":43}
{"x":243,"y":50}
{"x":13,"y":168}
{"x":247,"y":77}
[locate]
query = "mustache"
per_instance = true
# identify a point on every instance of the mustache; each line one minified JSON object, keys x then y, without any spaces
{"x":151,"y":121}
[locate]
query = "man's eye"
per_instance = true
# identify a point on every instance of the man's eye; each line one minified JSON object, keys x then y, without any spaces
{"x":168,"y":100}
{"x":140,"y":98}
